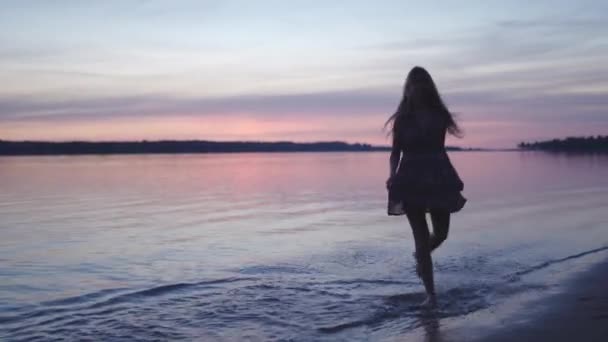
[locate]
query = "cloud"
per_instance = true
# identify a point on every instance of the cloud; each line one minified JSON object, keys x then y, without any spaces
{"x":379,"y":103}
{"x":351,"y":102}
{"x":555,"y":24}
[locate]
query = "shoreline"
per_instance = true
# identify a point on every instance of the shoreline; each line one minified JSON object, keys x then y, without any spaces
{"x":570,"y":307}
{"x":579,"y":312}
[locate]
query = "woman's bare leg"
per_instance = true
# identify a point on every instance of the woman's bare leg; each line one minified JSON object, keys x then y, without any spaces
{"x":417,"y":219}
{"x":441,"y":227}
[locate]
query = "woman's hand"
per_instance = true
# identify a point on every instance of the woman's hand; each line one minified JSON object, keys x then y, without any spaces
{"x":389,"y":182}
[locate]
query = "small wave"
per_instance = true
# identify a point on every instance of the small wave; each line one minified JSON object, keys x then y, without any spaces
{"x":394,"y":307}
{"x":161,"y":290}
{"x":263,"y":269}
{"x":546,"y":264}
{"x":405,"y":298}
{"x":83,"y":302}
{"x":369,"y":281}
{"x":372,"y":320}
{"x":83,"y":298}
{"x":453,"y":302}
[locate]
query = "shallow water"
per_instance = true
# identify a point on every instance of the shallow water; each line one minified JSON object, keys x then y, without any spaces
{"x":275,"y":246}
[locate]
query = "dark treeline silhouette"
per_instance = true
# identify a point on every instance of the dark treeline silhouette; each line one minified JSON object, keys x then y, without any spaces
{"x":171,"y":146}
{"x":177,"y":146}
{"x":570,"y":144}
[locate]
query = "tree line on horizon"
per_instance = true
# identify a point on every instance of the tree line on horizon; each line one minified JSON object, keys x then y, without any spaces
{"x":570,"y":144}
{"x":172,"y":146}
{"x":14,"y":148}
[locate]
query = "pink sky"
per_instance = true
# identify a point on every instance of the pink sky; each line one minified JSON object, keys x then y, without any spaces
{"x":241,"y":70}
{"x":478,"y":133}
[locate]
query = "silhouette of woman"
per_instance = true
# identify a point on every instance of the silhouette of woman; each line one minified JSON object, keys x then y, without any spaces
{"x":422,"y":178}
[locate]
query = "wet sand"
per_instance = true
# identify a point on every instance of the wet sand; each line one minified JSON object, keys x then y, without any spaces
{"x":580,"y":313}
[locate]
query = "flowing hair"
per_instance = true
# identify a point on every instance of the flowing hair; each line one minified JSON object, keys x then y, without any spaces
{"x":423,"y":95}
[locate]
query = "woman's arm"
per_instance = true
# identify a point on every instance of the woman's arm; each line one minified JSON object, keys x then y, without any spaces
{"x":395,"y":157}
{"x":394,"y":162}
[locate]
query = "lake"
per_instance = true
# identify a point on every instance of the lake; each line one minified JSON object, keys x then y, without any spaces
{"x":277,"y":246}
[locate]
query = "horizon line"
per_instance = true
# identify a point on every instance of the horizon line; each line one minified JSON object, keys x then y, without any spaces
{"x":225,"y":141}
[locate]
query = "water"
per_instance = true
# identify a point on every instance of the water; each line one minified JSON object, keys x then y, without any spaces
{"x":276,"y":246}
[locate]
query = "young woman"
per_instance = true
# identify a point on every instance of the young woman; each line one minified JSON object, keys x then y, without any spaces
{"x":422,"y":179}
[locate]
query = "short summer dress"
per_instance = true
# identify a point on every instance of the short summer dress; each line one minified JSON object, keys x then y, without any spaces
{"x":425,"y":177}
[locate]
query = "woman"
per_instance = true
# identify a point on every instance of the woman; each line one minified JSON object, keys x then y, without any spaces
{"x":422,"y":178}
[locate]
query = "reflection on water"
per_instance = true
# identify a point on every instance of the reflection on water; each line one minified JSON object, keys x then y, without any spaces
{"x":275,"y":246}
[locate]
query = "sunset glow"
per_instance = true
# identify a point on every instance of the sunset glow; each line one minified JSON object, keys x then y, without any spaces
{"x":301,"y":71}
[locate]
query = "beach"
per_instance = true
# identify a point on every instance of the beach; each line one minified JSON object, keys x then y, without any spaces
{"x":578,"y":313}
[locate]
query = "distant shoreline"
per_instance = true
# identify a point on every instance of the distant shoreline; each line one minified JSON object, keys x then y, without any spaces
{"x":590,"y":144}
{"x":48,"y":148}
{"x":61,"y":148}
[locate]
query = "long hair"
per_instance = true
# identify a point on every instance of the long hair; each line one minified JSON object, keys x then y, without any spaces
{"x":420,"y":94}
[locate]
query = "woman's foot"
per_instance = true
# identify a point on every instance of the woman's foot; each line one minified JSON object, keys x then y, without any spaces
{"x":430,"y":302}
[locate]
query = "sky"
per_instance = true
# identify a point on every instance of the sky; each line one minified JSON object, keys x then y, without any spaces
{"x":298,"y":70}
